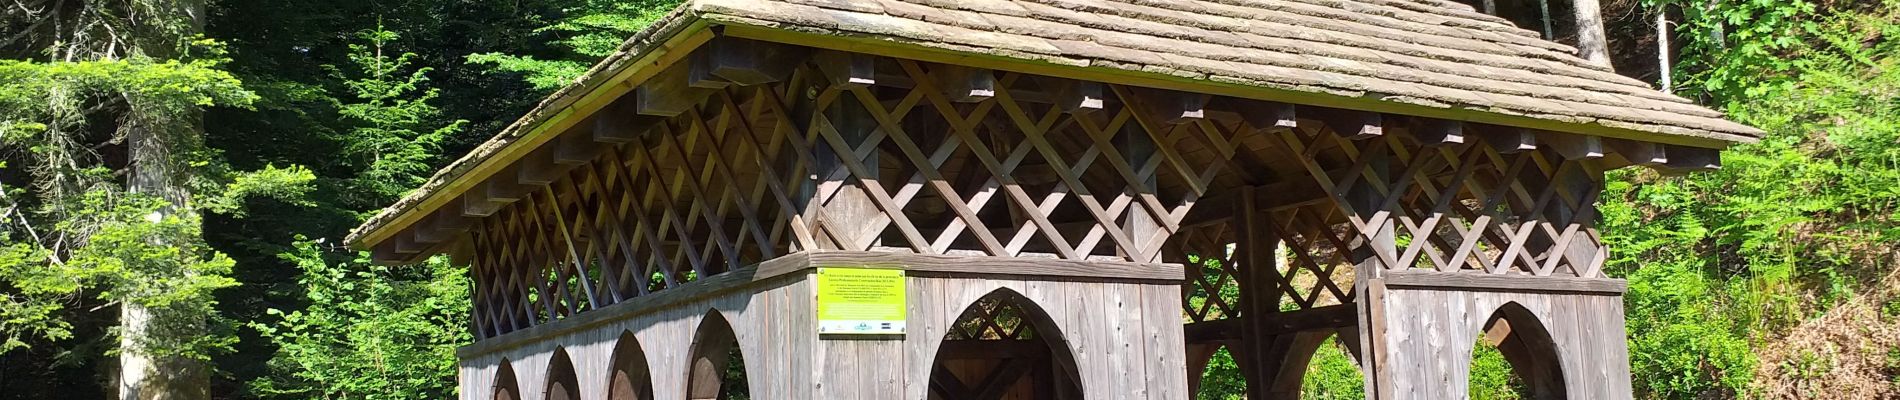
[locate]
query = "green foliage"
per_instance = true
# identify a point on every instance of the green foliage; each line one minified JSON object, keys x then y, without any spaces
{"x":1721,"y":263}
{"x":592,"y":30}
{"x":132,"y":254}
{"x":369,"y":332}
{"x":392,"y":137}
{"x":75,"y":232}
{"x":1332,"y":375}
{"x":1491,"y":375}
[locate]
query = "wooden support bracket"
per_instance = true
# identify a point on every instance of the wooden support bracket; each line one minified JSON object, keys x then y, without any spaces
{"x":847,"y":69}
{"x":1168,"y":106}
{"x":1639,"y":153}
{"x":1507,"y":139}
{"x":1685,"y":159}
{"x":1076,"y":97}
{"x":964,"y":84}
{"x":669,"y":93}
{"x":621,"y":122}
{"x":1573,"y":147}
{"x":1352,"y":125}
{"x":1262,"y":116}
{"x":1438,"y":132}
{"x":729,"y":60}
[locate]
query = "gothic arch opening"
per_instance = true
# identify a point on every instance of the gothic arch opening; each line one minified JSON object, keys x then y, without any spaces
{"x":1530,"y":367}
{"x":505,"y":386}
{"x":1331,"y":371}
{"x":1004,"y":347}
{"x":630,"y":379}
{"x":562,"y":383}
{"x":717,"y":369}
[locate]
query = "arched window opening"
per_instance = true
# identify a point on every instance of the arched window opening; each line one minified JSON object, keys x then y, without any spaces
{"x":562,"y":383}
{"x":1332,"y":373}
{"x":630,"y":380}
{"x":1220,"y":378}
{"x":1515,"y":358}
{"x":718,"y":369}
{"x":505,"y":386}
{"x":1003,"y":347}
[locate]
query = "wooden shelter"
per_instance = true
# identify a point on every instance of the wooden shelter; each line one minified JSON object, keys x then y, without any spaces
{"x":1087,"y":199}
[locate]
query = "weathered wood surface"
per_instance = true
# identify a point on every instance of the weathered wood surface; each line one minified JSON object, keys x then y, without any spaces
{"x":1429,"y":336}
{"x":1125,"y":338}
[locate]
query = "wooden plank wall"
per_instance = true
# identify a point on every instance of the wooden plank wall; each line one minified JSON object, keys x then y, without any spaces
{"x":1430,"y":334}
{"x":1126,"y":337}
{"x":761,"y":318}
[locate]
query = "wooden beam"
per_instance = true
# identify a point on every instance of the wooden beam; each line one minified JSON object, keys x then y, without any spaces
{"x":964,"y":84}
{"x":406,"y":244}
{"x":847,"y":69}
{"x":538,"y":168}
{"x":474,"y":204}
{"x":621,"y":122}
{"x":1349,"y":124}
{"x":1438,"y":132}
{"x":1216,"y":331}
{"x":385,"y":253}
{"x":442,"y":226}
{"x":1320,"y":318}
{"x":1269,"y":198}
{"x":576,"y":149}
{"x":1076,"y":97}
{"x":729,"y":60}
{"x":1323,"y":318}
{"x":669,"y":93}
{"x":1506,"y":139}
{"x":1168,"y":106}
{"x":1480,"y":281}
{"x":1685,"y":159}
{"x":503,"y":189}
{"x":1262,"y":116}
{"x":1573,"y":147}
{"x":1638,"y":152}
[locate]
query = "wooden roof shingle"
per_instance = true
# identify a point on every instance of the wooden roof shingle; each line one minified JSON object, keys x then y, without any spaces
{"x":1434,"y":58}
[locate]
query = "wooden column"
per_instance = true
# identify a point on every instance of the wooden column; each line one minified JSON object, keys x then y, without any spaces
{"x":1258,"y":351}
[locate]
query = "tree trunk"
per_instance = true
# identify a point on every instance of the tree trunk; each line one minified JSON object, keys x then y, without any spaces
{"x":143,"y":375}
{"x":1592,"y":43}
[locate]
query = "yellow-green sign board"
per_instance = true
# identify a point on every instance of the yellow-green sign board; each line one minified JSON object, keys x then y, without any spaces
{"x":860,"y":301}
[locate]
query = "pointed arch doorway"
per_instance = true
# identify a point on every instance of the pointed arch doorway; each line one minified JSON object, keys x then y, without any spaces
{"x":1004,"y":347}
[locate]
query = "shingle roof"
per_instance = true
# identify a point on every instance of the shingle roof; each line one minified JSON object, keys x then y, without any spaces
{"x":1434,"y":54}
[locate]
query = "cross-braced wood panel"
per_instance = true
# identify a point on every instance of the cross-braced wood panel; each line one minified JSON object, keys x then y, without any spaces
{"x":1485,"y":206}
{"x":694,"y":175}
{"x":960,"y":163}
{"x":937,"y":159}
{"x":698,"y":196}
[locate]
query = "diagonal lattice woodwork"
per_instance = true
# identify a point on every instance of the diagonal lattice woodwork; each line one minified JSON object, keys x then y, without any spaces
{"x":1483,"y":206}
{"x":939,"y":160}
{"x":694,"y":175}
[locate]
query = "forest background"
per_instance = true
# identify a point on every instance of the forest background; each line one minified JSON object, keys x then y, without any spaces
{"x":199,"y":160}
